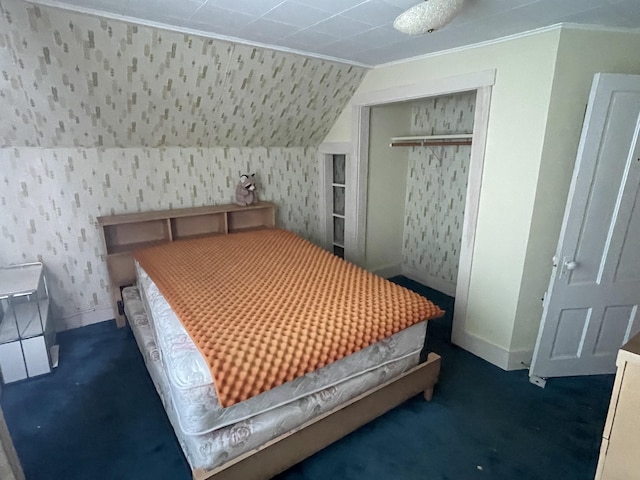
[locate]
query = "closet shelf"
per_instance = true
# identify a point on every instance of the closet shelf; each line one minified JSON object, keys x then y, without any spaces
{"x":432,"y":140}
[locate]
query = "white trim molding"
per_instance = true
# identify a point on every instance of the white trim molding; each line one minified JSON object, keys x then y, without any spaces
{"x":357,"y":185}
{"x":519,"y":359}
{"x":336,"y":148}
{"x":507,"y":38}
{"x":428,"y":88}
{"x":498,"y":356}
{"x":325,"y":192}
{"x":472,"y":205}
{"x":482,"y":82}
{"x":192,"y":31}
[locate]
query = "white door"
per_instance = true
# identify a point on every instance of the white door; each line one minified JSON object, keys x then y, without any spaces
{"x":591,"y":307}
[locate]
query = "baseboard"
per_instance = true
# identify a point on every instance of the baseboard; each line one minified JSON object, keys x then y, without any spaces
{"x":424,"y":278}
{"x":388,"y":271}
{"x":519,"y":359}
{"x":82,"y":319}
{"x":498,"y":356}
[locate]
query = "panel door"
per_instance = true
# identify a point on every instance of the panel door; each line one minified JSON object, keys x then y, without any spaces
{"x":591,"y":307}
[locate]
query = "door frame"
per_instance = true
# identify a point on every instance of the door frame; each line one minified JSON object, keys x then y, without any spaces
{"x":358,"y":170}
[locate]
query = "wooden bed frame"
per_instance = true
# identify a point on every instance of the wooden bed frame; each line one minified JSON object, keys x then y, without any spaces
{"x":123,"y":234}
{"x":293,"y":447}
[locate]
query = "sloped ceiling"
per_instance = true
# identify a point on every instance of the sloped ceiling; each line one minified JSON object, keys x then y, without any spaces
{"x":76,"y":80}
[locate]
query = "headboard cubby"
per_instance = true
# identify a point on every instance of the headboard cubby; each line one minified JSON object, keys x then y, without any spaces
{"x":126,"y":233}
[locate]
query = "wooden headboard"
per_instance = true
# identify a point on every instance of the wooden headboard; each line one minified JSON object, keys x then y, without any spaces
{"x":123,"y":234}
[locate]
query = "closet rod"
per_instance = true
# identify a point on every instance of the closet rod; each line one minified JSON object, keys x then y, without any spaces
{"x":430,"y":143}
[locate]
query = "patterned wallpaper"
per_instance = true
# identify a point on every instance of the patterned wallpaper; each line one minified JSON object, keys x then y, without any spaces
{"x":102,"y":117}
{"x":436,"y":188}
{"x":50,"y":199}
{"x":68,"y":80}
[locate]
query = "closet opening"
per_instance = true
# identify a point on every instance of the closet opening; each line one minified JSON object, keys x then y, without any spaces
{"x":412,"y":208}
{"x":419,"y":154}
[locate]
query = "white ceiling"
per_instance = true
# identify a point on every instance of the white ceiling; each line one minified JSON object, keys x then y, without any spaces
{"x":356,"y":31}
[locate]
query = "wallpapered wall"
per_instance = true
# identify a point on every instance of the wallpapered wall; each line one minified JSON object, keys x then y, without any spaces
{"x":50,"y":199}
{"x":77,"y":80}
{"x":436,"y":188}
{"x":102,"y":117}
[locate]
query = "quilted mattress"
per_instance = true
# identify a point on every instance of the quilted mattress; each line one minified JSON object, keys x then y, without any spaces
{"x":190,"y":384}
{"x":213,"y":449}
{"x":266,"y":307}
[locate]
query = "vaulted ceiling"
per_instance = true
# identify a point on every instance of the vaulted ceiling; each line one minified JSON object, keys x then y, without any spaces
{"x":70,"y":79}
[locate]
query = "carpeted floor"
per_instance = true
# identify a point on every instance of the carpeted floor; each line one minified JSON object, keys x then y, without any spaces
{"x":97,"y":416}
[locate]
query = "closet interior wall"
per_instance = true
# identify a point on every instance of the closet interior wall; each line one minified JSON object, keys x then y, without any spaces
{"x":416,"y":195}
{"x":436,"y":192}
{"x":387,"y":184}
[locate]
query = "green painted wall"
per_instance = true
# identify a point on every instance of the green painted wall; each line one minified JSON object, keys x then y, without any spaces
{"x":581,"y":54}
{"x":538,"y":103}
{"x":386,"y":186}
{"x":524,"y":75}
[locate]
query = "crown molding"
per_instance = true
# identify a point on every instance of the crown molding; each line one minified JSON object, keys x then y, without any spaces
{"x":598,"y":28}
{"x":137,"y":21}
{"x":190,"y":31}
{"x":528,"y":33}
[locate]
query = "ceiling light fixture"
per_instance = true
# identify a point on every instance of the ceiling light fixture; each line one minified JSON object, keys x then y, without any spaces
{"x":427,"y":16}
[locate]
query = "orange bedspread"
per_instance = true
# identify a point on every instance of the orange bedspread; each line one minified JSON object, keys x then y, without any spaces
{"x":265,"y":307}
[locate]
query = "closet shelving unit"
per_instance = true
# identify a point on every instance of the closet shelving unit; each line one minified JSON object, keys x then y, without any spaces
{"x":338,"y":186}
{"x":432,"y":140}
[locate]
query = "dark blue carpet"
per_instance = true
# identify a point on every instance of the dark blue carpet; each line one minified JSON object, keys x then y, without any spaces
{"x":97,"y":416}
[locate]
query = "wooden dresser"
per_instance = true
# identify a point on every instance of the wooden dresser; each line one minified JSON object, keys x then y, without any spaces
{"x":126,"y":233}
{"x":620,"y":451}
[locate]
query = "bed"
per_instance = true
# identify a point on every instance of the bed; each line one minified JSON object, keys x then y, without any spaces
{"x":244,"y":426}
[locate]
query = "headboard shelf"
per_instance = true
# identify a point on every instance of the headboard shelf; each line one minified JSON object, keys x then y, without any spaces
{"x":195,"y":225}
{"x":129,"y":236}
{"x":128,"y":248}
{"x":179,"y":212}
{"x":126,"y":233}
